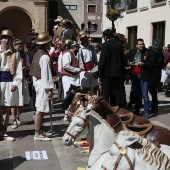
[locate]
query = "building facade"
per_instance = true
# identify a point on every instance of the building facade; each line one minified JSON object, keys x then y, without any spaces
{"x":81,"y":12}
{"x":147,"y":19}
{"x":24,"y":16}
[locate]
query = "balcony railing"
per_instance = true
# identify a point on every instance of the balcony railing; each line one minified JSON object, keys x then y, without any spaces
{"x":158,"y":3}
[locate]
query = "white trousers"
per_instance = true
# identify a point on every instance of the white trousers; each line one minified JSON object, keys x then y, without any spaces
{"x":23,"y":93}
{"x":67,"y":81}
{"x":87,"y":79}
{"x":8,"y":98}
{"x":42,"y":102}
{"x":164,"y":76}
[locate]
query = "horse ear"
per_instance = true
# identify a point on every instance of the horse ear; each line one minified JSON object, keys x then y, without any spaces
{"x":129,"y":140}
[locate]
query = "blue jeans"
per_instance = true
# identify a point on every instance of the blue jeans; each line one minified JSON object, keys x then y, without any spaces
{"x":140,"y":88}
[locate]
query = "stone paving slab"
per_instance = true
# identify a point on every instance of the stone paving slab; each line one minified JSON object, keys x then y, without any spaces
{"x":68,"y":156}
{"x":61,"y":157}
{"x":19,"y":162}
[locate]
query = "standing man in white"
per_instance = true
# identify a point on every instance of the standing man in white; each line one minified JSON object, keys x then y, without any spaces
{"x":87,"y":60}
{"x":10,"y":77}
{"x":70,"y":68}
{"x":43,"y":83}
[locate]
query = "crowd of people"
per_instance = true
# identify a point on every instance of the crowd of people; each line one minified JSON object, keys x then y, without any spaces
{"x":29,"y":72}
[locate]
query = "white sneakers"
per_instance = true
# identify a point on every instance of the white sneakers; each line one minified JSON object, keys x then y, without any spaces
{"x":41,"y":137}
{"x":15,"y":124}
{"x":19,"y":122}
{"x":8,"y":138}
{"x":65,"y":117}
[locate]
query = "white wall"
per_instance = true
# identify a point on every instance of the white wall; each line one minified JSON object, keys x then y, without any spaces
{"x":143,"y":20}
{"x":76,"y":15}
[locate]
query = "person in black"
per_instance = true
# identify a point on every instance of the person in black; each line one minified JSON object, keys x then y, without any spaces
{"x":33,"y":48}
{"x":156,"y":75}
{"x":142,"y":64}
{"x":111,"y":70}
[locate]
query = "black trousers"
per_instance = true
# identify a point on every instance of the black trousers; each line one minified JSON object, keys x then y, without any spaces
{"x":113,"y":91}
{"x":153,"y":92}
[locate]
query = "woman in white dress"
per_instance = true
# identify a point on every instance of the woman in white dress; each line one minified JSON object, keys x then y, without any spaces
{"x":22,"y":86}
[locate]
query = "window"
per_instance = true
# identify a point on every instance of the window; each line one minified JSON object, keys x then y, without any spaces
{"x":131,"y":4}
{"x":91,"y":8}
{"x":92,"y":28}
{"x":159,"y":32}
{"x":132,"y":36}
{"x":70,"y":7}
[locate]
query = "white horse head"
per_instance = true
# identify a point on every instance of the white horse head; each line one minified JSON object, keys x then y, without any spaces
{"x":78,"y":126}
{"x":130,"y":151}
{"x":100,"y":135}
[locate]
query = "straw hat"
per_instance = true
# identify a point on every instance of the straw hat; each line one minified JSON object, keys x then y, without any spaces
{"x":82,"y":34}
{"x":59,"y":19}
{"x":16,"y":42}
{"x":68,"y":42}
{"x":96,"y":44}
{"x":6,"y":33}
{"x":66,"y":21}
{"x":43,"y":38}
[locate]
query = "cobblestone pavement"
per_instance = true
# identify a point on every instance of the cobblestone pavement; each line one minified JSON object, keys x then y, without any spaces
{"x":60,"y":157}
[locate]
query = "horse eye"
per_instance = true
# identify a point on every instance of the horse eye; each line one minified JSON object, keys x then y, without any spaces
{"x":78,"y":124}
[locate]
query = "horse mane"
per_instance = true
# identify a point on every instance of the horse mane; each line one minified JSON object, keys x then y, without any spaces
{"x":152,"y":153}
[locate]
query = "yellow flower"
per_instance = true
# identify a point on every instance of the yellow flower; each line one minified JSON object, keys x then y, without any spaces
{"x":112,"y":14}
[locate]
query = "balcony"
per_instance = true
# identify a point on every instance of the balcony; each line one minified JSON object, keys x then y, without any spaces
{"x":131,"y":6}
{"x":158,"y":3}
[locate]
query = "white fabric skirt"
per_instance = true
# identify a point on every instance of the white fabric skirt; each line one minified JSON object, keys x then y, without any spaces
{"x":87,"y":79}
{"x":164,"y":76}
{"x":67,"y":81}
{"x":42,"y":102}
{"x":8,"y":98}
{"x":23,"y":93}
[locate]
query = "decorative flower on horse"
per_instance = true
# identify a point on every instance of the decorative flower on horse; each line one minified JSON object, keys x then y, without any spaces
{"x":113,"y":14}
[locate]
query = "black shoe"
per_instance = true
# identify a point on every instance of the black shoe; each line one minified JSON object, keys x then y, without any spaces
{"x":153,"y":112}
{"x":129,"y":104}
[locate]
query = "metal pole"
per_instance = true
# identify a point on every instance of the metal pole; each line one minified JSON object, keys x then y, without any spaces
{"x":113,"y":7}
{"x":51,"y":121}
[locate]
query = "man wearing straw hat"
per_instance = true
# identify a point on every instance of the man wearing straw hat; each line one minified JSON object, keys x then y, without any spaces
{"x":10,"y":77}
{"x":87,"y":60}
{"x":43,"y":83}
{"x":58,"y":28}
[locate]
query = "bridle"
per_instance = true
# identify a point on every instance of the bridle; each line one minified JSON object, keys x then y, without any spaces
{"x":123,"y":152}
{"x":86,"y":123}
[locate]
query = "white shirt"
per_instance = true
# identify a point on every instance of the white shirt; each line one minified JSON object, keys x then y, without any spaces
{"x":88,"y":52}
{"x":66,"y":60}
{"x":46,"y":76}
{"x":60,"y":62}
{"x":17,"y":78}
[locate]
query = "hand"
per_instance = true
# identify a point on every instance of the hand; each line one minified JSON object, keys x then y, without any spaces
{"x":78,"y":70}
{"x":54,"y":63}
{"x":140,"y":63}
{"x":50,"y":94}
{"x":130,"y":63}
{"x":23,"y":67}
{"x":13,"y":88}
